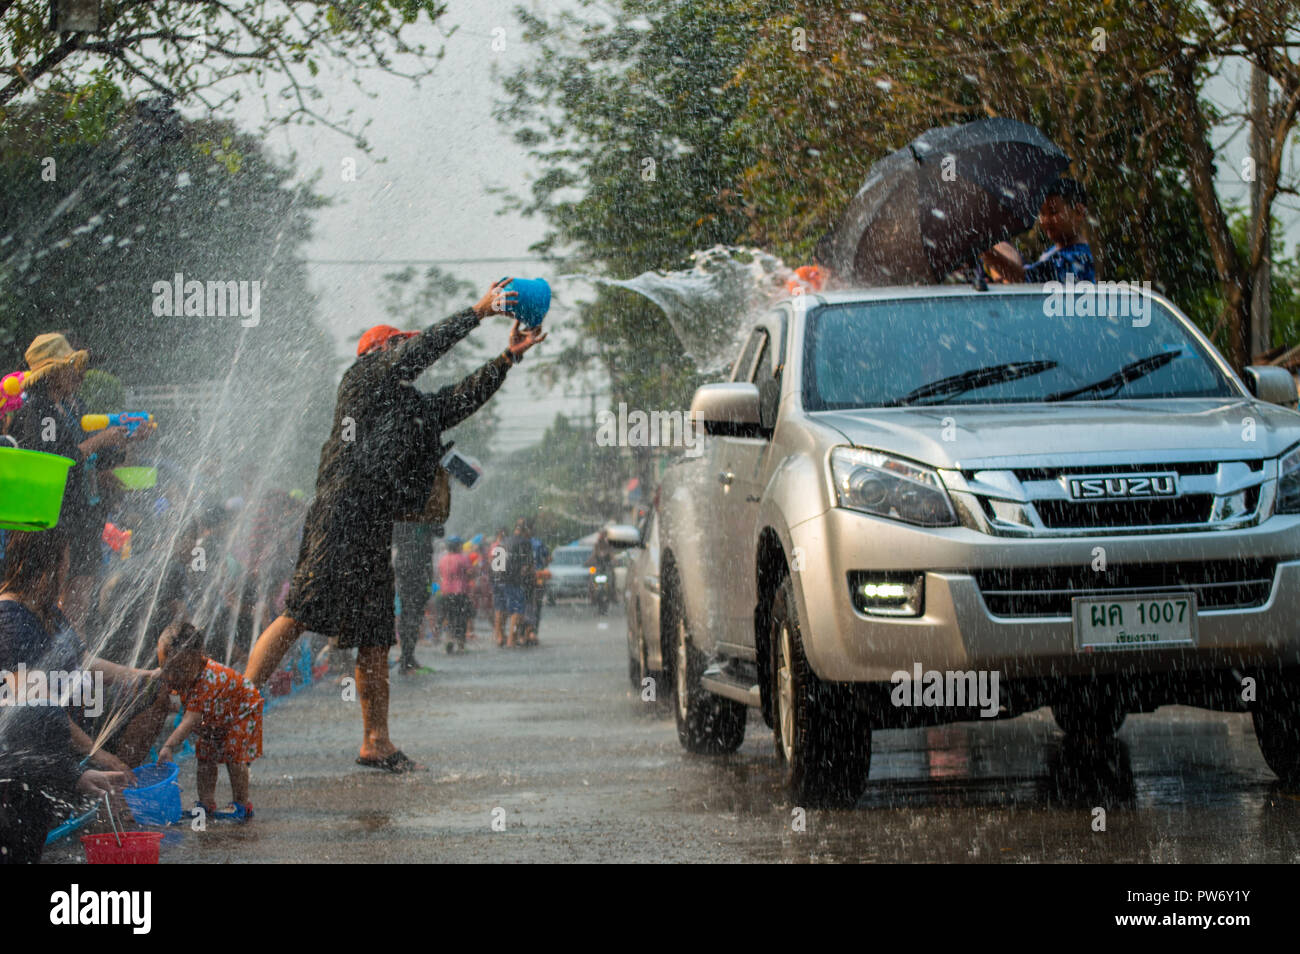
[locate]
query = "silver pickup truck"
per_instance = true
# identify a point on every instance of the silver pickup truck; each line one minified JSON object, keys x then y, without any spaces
{"x":927,"y":505}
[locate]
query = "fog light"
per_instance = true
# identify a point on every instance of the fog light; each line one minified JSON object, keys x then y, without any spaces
{"x":888,"y":594}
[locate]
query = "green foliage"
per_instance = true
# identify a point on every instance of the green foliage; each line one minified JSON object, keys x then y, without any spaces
{"x":763,"y":119}
{"x":137,"y":205}
{"x":103,"y":393}
{"x":568,"y":485}
{"x":874,"y":75}
{"x":207,"y":53}
{"x":626,"y":119}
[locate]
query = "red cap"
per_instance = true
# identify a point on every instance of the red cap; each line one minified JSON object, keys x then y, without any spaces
{"x":378,"y":335}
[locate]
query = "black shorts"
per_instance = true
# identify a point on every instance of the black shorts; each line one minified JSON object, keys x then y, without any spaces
{"x":343,"y":585}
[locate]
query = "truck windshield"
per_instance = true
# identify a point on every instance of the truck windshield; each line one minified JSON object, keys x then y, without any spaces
{"x":944,"y":350}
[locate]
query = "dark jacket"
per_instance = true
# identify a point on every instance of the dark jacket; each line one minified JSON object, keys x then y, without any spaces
{"x":388,"y":465}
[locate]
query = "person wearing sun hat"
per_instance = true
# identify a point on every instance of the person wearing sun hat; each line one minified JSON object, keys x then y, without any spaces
{"x":50,"y":421}
{"x":379,"y":462}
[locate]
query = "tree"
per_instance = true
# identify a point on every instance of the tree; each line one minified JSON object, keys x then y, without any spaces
{"x":784,"y":106}
{"x":200,"y":50}
{"x":625,"y":112}
{"x":568,"y":484}
{"x":146,"y":197}
{"x":1120,"y":85}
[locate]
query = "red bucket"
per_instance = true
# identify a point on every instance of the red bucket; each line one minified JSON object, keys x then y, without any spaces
{"x":137,"y":848}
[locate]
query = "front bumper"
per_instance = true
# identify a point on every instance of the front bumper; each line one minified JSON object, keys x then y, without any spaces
{"x":958,"y":632}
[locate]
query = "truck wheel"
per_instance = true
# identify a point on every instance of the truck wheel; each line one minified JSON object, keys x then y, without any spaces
{"x":1277,"y":725}
{"x":635,"y":653}
{"x":823,"y":742}
{"x":1087,"y":718}
{"x":706,"y":723}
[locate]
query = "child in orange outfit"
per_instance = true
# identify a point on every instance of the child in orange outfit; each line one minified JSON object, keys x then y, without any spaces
{"x":223,"y":706}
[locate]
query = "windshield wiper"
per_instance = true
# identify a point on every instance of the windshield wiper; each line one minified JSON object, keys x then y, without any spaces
{"x":976,"y":378}
{"x":1130,"y":372}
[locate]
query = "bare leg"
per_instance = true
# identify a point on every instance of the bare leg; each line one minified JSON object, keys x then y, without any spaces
{"x":207,"y":784}
{"x":372,"y":687}
{"x":513,"y":632}
{"x":238,"y":772}
{"x":271,"y":647}
{"x":497,"y":619}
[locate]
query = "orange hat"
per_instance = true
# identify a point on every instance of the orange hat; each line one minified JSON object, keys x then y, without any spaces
{"x":378,"y":335}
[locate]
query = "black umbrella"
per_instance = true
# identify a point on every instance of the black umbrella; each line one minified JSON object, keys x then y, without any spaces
{"x":934,"y":204}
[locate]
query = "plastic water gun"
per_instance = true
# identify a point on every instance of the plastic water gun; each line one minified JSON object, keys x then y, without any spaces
{"x":131,"y":420}
{"x":119,"y":541}
{"x":11,"y":390}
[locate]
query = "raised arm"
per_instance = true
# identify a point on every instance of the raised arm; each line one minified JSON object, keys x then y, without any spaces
{"x":412,"y":356}
{"x":452,"y":404}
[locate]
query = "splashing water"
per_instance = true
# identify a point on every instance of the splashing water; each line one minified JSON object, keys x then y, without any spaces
{"x":244,"y":418}
{"x":712,"y":305}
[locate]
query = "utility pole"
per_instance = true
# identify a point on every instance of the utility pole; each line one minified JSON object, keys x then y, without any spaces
{"x":1261,"y":325}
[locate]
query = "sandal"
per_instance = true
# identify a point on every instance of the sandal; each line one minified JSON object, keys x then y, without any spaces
{"x":397,"y":763}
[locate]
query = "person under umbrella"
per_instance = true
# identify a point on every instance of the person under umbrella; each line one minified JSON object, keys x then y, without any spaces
{"x":1062,"y":217}
{"x":933,"y":206}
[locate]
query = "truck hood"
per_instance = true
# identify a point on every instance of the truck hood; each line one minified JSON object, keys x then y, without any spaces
{"x":962,"y":437}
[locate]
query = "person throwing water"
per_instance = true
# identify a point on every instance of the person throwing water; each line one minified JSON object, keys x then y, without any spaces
{"x":379,"y":462}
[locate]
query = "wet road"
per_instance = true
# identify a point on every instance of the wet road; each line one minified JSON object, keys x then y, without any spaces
{"x":552,"y":744}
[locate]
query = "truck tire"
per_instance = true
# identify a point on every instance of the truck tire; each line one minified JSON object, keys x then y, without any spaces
{"x":823,"y":741}
{"x":1276,"y":715}
{"x":634,"y":657}
{"x":1089,"y":718}
{"x":706,"y":724}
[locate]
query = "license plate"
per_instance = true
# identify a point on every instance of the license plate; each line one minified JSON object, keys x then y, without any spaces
{"x":1135,"y":622}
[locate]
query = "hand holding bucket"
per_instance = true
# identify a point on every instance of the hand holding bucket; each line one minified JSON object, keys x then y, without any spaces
{"x":533,"y":302}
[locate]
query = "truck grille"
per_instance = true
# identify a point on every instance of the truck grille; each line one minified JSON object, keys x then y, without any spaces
{"x":1047,"y":591}
{"x":1156,"y":512}
{"x":1039,"y":501}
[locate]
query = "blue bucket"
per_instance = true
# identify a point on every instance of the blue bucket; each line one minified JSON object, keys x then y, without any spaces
{"x":156,"y":799}
{"x":534,"y":300}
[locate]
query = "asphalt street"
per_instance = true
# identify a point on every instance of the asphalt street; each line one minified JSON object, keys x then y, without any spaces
{"x":546,"y":754}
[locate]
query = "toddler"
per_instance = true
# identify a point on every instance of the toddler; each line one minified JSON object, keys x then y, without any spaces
{"x":224,"y":708}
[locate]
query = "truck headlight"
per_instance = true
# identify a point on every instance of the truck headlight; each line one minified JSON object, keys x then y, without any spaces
{"x":890,"y":487}
{"x":1288,"y":483}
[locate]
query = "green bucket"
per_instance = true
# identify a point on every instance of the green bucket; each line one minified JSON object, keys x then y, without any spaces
{"x":137,"y":478}
{"x":31,"y":488}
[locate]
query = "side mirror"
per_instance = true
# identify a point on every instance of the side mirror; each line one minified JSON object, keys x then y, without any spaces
{"x":1272,"y":384}
{"x":728,"y":410}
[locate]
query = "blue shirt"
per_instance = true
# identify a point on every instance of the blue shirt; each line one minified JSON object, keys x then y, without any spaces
{"x":1057,"y":262}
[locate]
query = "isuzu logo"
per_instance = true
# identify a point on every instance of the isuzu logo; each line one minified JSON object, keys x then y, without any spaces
{"x":1122,"y":486}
